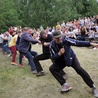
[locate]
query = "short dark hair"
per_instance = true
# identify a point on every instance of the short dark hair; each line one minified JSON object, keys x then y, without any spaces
{"x":42,"y":32}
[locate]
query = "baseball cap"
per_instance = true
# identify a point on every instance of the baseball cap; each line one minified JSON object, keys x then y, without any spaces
{"x":57,"y":34}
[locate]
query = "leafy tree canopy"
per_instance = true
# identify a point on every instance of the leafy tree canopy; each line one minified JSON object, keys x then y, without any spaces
{"x":34,"y":13}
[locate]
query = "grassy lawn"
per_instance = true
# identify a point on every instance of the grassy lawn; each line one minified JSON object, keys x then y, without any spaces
{"x":16,"y":82}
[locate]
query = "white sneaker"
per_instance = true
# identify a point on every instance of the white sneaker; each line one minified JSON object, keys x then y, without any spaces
{"x":94,"y":48}
{"x":95,"y":92}
{"x":34,"y":71}
{"x":65,"y":88}
{"x":8,"y":55}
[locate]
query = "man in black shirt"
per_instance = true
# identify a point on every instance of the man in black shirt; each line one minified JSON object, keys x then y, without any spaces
{"x":45,"y":41}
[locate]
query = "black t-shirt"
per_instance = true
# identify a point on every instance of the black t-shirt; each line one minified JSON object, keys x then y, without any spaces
{"x":45,"y":49}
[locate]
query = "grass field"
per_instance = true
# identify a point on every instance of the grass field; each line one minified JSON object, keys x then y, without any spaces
{"x":16,"y":82}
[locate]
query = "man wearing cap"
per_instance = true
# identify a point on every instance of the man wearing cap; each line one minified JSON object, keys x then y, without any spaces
{"x":63,"y":56}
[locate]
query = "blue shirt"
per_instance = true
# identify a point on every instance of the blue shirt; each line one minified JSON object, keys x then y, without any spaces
{"x":24,"y":42}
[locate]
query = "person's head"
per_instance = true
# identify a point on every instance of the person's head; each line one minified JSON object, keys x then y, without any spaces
{"x":57,"y":36}
{"x":19,"y":32}
{"x":34,"y":35}
{"x":13,"y":33}
{"x":7,"y":33}
{"x":58,"y":23}
{"x":43,"y":34}
{"x":28,"y":30}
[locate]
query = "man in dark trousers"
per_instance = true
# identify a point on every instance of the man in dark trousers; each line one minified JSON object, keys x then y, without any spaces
{"x":45,"y":41}
{"x":63,"y":56}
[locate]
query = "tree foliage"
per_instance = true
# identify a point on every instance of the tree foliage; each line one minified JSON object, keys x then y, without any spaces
{"x":34,"y":13}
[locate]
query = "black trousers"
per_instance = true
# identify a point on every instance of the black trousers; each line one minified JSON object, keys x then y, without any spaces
{"x":43,"y":57}
{"x":55,"y":70}
{"x":39,"y":58}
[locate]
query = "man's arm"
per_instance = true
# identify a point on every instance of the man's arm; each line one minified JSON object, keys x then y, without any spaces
{"x":30,"y":39}
{"x":55,"y":55}
{"x":78,"y":43}
{"x":94,"y":44}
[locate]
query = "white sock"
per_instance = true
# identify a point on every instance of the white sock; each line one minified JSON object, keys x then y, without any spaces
{"x":94,"y":86}
{"x":65,"y":84}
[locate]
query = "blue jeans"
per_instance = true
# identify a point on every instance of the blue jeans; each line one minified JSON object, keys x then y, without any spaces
{"x":20,"y":54}
{"x":30,"y":59}
{"x":1,"y":45}
{"x":33,"y":53}
{"x":6,"y":48}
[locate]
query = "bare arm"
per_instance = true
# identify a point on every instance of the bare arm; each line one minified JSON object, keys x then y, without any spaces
{"x":94,"y":44}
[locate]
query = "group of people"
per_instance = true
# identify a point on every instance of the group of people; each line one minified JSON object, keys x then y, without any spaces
{"x":55,"y":46}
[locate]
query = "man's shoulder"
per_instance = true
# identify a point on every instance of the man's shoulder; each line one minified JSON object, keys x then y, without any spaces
{"x":49,"y":34}
{"x":52,"y":43}
{"x":24,"y":34}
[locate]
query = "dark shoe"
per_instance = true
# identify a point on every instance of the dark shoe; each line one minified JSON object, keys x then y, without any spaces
{"x":95,"y":92}
{"x":41,"y":73}
{"x":21,"y":65}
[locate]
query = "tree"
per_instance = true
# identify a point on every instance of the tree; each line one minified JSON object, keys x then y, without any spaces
{"x":8,"y":15}
{"x":34,"y":13}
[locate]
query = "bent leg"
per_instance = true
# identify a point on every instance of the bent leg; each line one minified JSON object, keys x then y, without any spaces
{"x":57,"y":74}
{"x":37,"y":59}
{"x":30,"y":59}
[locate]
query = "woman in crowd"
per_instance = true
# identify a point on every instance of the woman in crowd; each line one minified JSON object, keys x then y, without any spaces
{"x":12,"y":46}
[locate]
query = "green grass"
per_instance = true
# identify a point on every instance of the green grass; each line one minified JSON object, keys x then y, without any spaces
{"x":16,"y":82}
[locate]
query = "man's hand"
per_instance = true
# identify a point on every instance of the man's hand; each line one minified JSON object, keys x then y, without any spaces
{"x":39,"y":41}
{"x":62,"y":51}
{"x":46,"y":44}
